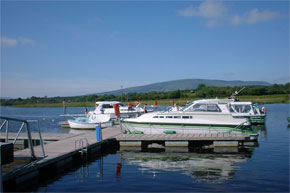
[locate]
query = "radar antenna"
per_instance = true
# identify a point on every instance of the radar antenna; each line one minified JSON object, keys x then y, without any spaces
{"x":234,"y":95}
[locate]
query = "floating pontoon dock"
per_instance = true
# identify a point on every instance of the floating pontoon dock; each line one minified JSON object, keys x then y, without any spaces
{"x":69,"y":148}
{"x":179,"y":140}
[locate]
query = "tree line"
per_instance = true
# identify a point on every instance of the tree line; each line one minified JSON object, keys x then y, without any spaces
{"x":202,"y":91}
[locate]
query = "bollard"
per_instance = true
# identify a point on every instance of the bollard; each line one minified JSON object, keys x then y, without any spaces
{"x":98,"y":133}
{"x":117,"y":110}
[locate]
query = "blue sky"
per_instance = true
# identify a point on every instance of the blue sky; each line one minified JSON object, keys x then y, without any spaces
{"x":67,"y":48}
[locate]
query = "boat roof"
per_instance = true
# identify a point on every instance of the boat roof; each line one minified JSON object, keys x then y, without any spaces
{"x":214,"y":101}
{"x":108,"y":102}
{"x":241,"y":103}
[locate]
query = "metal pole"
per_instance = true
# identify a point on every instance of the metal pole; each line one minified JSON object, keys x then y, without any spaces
{"x":120,"y":125}
{"x":18,"y":133}
{"x":64,"y":106}
{"x":3,"y":124}
{"x":41,"y":141}
{"x":121,"y":93}
{"x":30,"y":141}
{"x":7,"y":126}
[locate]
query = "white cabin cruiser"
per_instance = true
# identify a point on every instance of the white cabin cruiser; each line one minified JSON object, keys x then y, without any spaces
{"x":107,"y":107}
{"x":201,"y":118}
{"x":248,"y":110}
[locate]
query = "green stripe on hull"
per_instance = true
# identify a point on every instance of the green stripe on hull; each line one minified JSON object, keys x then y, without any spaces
{"x":256,"y":119}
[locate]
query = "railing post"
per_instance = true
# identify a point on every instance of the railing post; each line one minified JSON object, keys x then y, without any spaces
{"x":3,"y":124}
{"x":41,"y":141}
{"x":30,"y":141}
{"x":7,"y":127}
{"x":22,"y":125}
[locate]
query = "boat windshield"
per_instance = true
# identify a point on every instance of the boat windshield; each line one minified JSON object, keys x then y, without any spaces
{"x":242,"y":108}
{"x":186,"y":106}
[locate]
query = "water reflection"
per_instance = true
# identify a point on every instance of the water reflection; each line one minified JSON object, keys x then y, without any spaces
{"x":261,"y":130}
{"x":209,"y":168}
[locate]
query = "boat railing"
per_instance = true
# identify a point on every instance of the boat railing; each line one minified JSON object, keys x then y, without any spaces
{"x":26,"y":123}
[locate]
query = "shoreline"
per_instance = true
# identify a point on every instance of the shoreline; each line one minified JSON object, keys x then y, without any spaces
{"x":263,"y":99}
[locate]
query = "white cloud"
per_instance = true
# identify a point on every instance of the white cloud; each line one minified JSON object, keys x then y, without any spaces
{"x":212,"y":11}
{"x":216,"y":12}
{"x":10,"y":42}
{"x":254,"y":16}
{"x":207,"y":9}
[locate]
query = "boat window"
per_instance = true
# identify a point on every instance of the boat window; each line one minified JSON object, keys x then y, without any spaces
{"x":185,"y":117}
{"x":213,"y":108}
{"x":107,"y":106}
{"x":242,"y":108}
{"x":177,"y":117}
{"x":155,"y":117}
{"x":256,"y":110}
{"x":169,"y":117}
{"x":232,"y":109}
{"x":121,"y":105}
{"x":199,"y":107}
{"x":161,"y":117}
{"x":186,"y":106}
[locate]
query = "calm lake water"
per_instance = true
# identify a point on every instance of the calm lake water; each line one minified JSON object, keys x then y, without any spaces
{"x":264,"y":169}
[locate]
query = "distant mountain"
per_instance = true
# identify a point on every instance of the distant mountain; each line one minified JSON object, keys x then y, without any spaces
{"x":183,"y":85}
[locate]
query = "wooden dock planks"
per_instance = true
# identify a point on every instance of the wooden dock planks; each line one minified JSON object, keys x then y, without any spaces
{"x":67,"y":144}
{"x":35,"y":136}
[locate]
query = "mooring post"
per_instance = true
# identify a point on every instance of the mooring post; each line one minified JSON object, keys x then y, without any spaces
{"x":98,"y":133}
{"x":117,"y":113}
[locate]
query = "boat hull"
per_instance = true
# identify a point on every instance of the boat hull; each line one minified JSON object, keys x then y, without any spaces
{"x":254,"y":119}
{"x":155,"y":128}
{"x":76,"y":125}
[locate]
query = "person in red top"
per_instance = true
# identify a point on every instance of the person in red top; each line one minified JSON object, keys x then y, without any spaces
{"x":130,"y":106}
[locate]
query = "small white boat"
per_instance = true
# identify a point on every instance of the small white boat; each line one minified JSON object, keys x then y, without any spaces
{"x":90,"y":122}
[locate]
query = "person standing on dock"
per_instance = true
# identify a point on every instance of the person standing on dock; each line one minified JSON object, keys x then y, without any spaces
{"x":130,"y":107}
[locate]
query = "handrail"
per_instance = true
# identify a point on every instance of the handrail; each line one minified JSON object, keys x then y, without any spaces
{"x":240,"y":125}
{"x":24,"y":122}
{"x":39,"y":133}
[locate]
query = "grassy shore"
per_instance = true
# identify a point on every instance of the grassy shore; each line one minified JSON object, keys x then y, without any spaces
{"x":264,"y":99}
